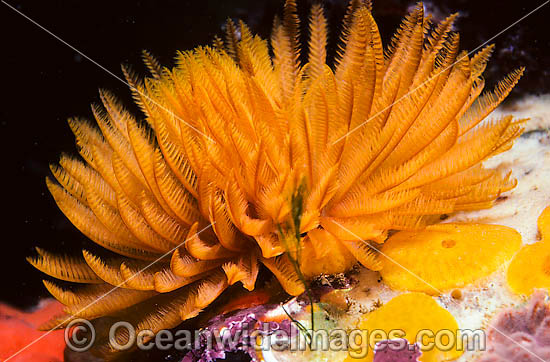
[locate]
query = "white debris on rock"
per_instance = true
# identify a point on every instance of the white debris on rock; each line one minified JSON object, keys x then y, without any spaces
{"x":534,"y":107}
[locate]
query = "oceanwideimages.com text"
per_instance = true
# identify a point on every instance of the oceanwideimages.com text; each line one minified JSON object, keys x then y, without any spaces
{"x":80,"y":336}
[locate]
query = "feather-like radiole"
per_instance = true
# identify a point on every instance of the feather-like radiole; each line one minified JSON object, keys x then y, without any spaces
{"x":381,"y":141}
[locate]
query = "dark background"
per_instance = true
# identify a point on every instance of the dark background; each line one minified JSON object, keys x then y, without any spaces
{"x":44,"y":82}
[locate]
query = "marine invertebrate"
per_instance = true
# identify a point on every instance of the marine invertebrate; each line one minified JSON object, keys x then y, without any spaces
{"x":530,"y":268}
{"x":446,"y":256}
{"x":521,"y":334}
{"x":245,"y":158}
{"x":411,"y":313}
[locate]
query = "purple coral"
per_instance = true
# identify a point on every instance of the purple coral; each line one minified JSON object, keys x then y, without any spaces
{"x":237,"y":330}
{"x":235,"y":333}
{"x":396,"y":350}
{"x":521,"y":335}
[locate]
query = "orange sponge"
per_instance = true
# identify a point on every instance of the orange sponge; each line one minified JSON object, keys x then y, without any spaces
{"x":530,"y":268}
{"x":413,"y":315}
{"x":446,"y":256}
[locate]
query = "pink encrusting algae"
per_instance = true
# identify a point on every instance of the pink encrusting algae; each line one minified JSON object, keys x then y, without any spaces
{"x":20,"y":339}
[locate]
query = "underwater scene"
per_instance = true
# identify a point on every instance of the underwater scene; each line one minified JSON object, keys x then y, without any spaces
{"x":276,"y":180}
